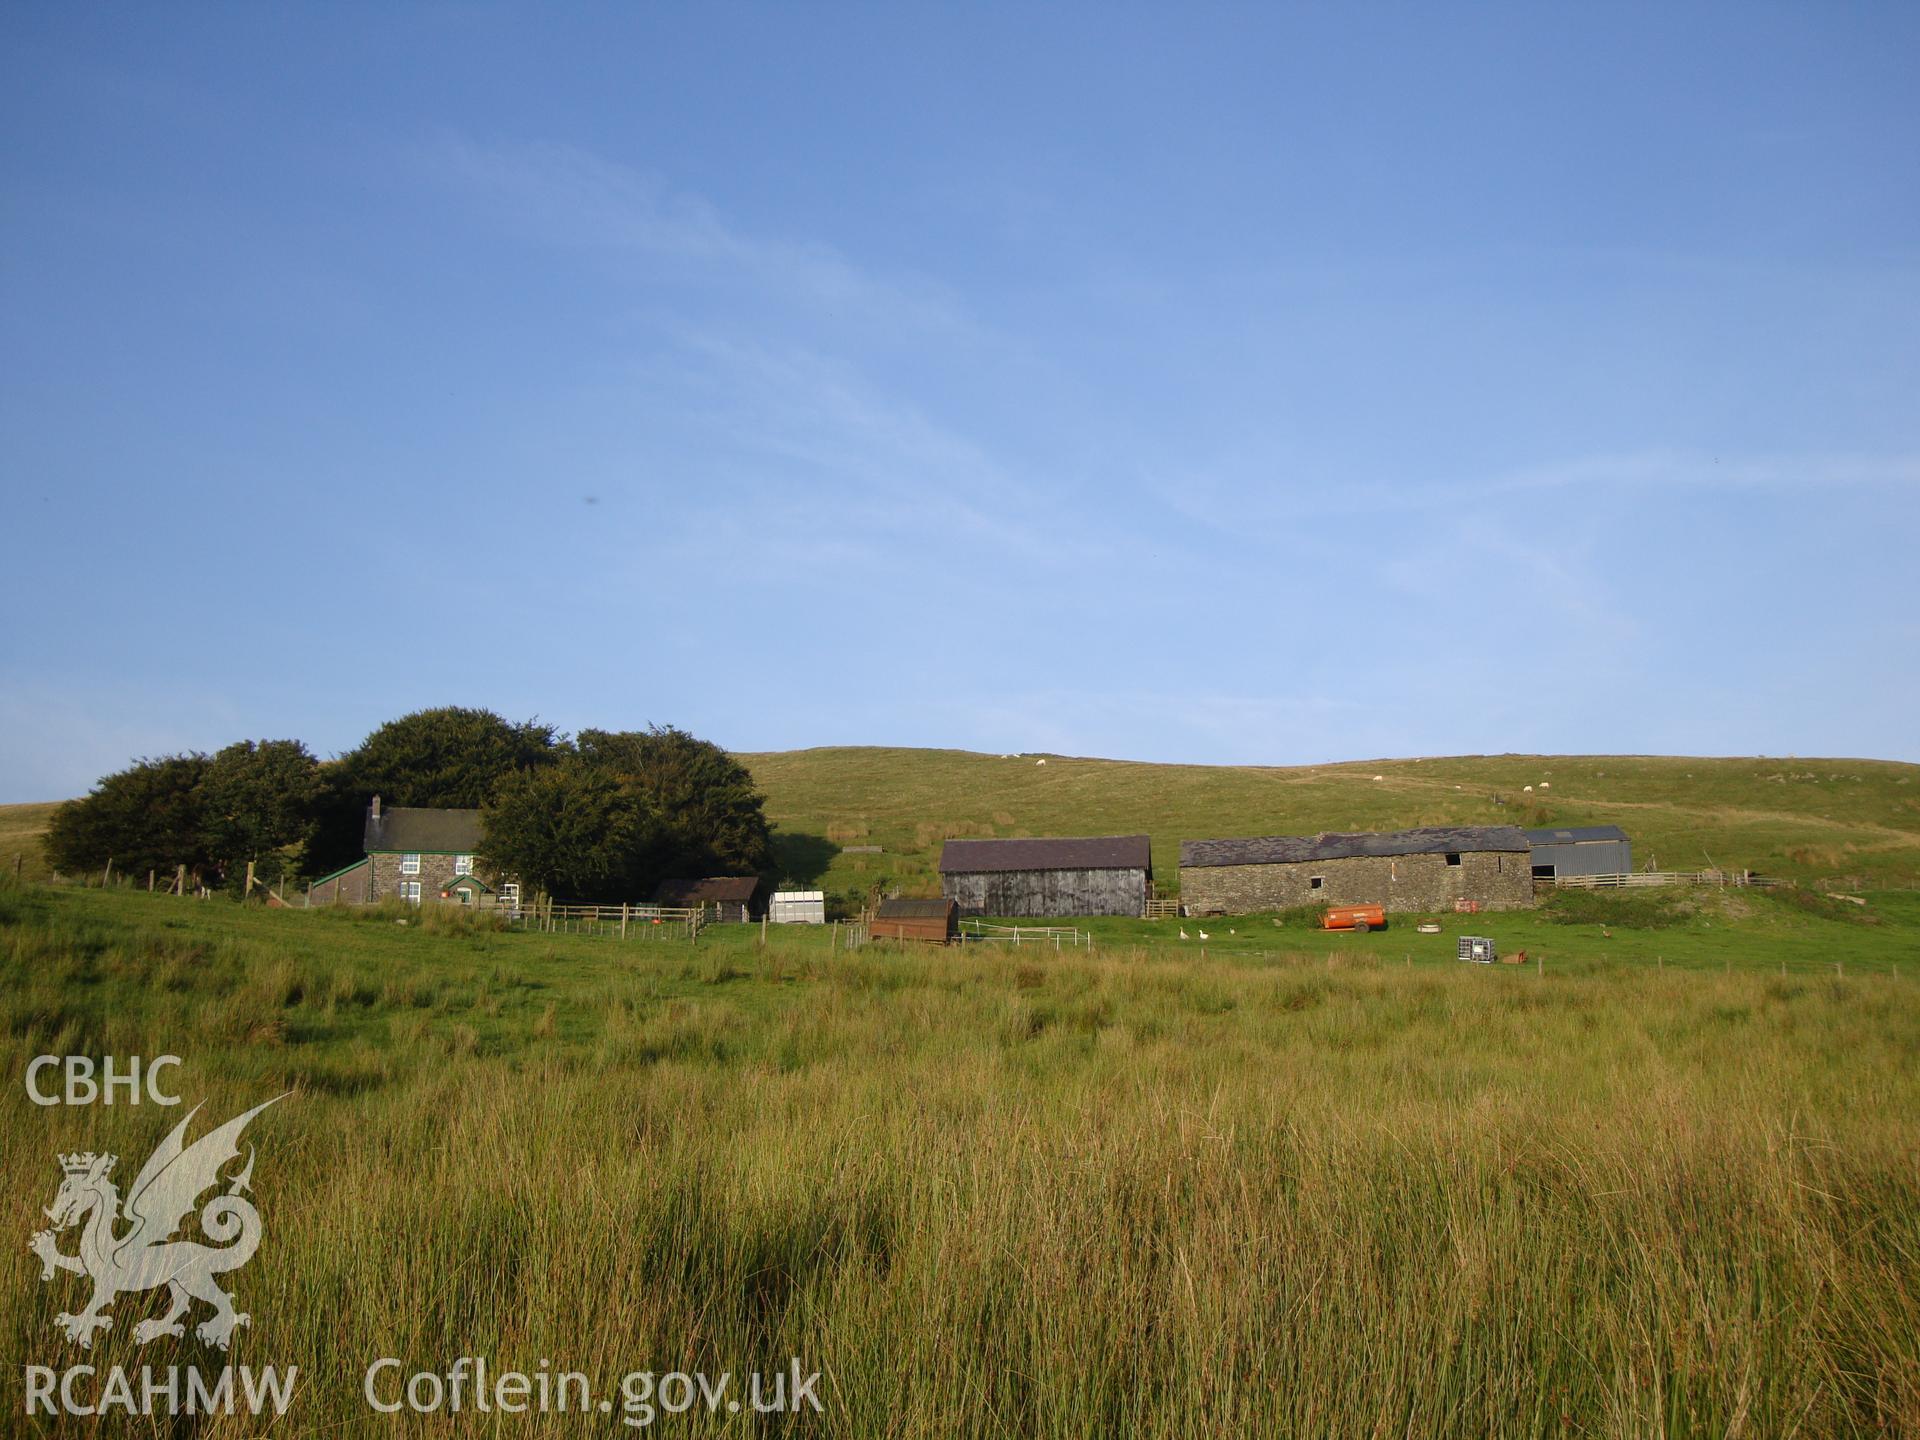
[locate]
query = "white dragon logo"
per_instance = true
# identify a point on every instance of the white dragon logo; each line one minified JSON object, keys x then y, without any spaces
{"x":147,"y":1256}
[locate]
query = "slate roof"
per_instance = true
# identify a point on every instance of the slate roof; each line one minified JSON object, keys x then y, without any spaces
{"x":900,"y":909}
{"x":1288,"y":849}
{"x":411,"y":829}
{"x":715,"y":889}
{"x":1574,"y":834}
{"x":1097,"y":852}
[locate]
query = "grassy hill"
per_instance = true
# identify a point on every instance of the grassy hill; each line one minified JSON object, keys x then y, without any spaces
{"x":1845,"y":822}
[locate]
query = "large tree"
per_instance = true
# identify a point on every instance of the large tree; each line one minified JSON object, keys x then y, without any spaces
{"x":256,"y":798}
{"x":149,"y":816}
{"x":450,"y":756}
{"x":573,"y":830}
{"x":714,"y":818}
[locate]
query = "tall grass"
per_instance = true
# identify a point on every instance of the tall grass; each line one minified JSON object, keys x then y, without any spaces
{"x":993,"y":1194}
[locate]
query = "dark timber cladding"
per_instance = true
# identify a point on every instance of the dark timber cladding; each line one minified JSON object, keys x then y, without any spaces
{"x":1090,"y":875}
{"x":732,"y":898}
{"x":1420,"y":870}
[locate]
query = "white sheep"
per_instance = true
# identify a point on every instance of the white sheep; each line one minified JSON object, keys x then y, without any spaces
{"x":1039,"y":762}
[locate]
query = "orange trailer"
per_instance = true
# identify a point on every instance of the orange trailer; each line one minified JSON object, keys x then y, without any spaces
{"x":1361,"y":918}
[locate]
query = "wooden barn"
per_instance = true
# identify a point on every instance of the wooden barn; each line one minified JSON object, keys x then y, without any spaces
{"x":1093,"y":875}
{"x":732,"y":898}
{"x":934,"y":921}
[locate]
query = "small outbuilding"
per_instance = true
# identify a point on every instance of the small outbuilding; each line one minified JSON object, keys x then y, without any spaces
{"x":935,"y":921}
{"x":1091,"y":875}
{"x":469,"y":890}
{"x":798,"y":907}
{"x":1427,"y":870}
{"x":732,"y":898}
{"x":1580,"y":850}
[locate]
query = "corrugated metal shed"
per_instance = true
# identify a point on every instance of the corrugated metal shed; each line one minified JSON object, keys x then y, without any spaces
{"x":1287,"y":849}
{"x":1576,"y":834}
{"x":1095,"y":852}
{"x":1581,"y":850}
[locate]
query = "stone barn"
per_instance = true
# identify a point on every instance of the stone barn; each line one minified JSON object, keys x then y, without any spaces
{"x":1097,"y":875}
{"x":1581,"y":850}
{"x":1423,"y":870}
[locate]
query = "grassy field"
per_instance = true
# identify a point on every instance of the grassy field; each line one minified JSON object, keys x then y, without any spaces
{"x":1303,"y":1189}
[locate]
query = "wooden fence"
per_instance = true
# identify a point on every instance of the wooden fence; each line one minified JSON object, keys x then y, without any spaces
{"x":650,"y":922}
{"x":1058,"y":936}
{"x":1643,"y":879}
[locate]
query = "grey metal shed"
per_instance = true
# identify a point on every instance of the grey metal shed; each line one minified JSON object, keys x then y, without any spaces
{"x":1580,"y":850}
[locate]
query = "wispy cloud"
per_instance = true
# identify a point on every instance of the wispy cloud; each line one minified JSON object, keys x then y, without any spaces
{"x":570,"y":196}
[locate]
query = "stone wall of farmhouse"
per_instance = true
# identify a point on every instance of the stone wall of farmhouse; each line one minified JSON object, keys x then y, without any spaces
{"x":436,"y":873}
{"x":1499,"y":880}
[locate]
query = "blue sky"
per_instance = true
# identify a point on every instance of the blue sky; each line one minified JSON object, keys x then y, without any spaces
{"x":1173,"y":383}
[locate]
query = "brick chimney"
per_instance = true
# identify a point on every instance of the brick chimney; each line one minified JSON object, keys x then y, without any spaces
{"x":373,"y":810}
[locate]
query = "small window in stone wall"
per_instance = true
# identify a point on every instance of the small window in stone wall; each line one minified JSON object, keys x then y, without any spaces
{"x":1318,"y":882}
{"x":409,"y":864}
{"x":1453,"y":857}
{"x":463,"y":864}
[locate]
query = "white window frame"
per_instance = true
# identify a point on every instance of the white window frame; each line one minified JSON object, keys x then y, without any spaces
{"x":462,"y":865}
{"x":410,"y":891}
{"x":1316,"y":882}
{"x":410,"y":862}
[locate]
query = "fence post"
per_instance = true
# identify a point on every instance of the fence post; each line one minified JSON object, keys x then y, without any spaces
{"x":106,"y":875}
{"x":149,"y":882}
{"x":623,"y":919}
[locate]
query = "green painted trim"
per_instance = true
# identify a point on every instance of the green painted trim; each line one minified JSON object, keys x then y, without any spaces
{"x":372,"y":853}
{"x":462,"y":879}
{"x":364,"y":860}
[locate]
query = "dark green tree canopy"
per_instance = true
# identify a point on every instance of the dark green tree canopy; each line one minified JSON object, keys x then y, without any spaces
{"x":256,"y":797}
{"x":571,"y":829}
{"x":714,"y":818}
{"x":149,"y":816}
{"x":448,"y":757}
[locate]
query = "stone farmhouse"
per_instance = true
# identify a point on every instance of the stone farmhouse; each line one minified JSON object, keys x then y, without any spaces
{"x":414,"y":854}
{"x":1422,"y":870}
